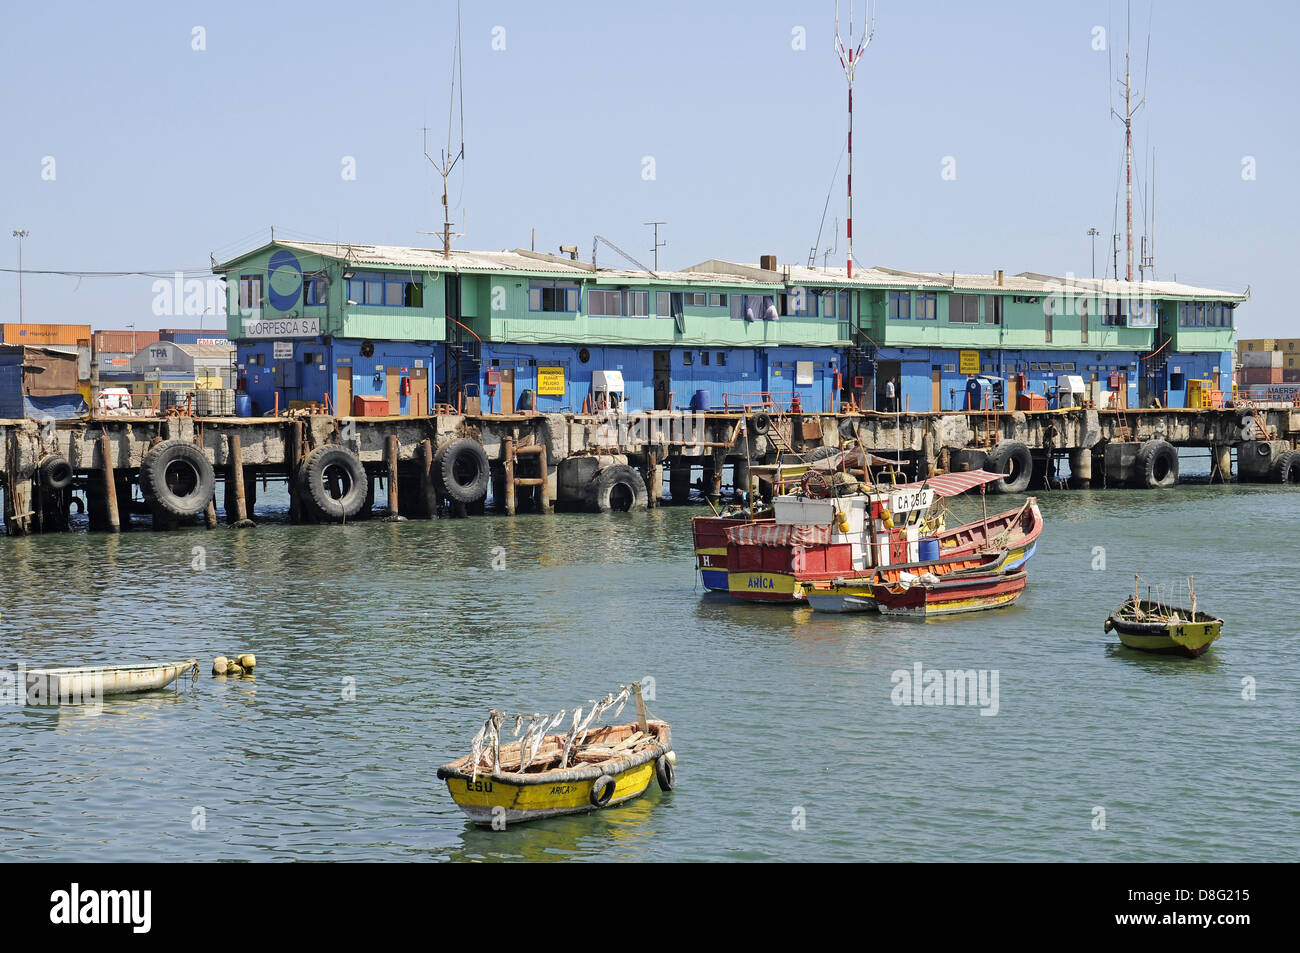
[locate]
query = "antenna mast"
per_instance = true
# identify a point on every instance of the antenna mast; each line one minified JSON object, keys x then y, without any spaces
{"x":1130,"y":111}
{"x":849,"y":54}
{"x":450,"y":161}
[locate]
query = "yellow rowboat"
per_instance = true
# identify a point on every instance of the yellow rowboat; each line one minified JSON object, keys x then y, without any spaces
{"x":1153,"y":627}
{"x":612,"y":765}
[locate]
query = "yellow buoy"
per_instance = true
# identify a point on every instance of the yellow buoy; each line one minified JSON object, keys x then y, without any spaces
{"x":220,"y":665}
{"x":247,"y":661}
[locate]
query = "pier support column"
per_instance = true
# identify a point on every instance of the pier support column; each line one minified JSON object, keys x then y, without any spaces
{"x":656,"y":485}
{"x":112,"y":518}
{"x":679,"y":480}
{"x":426,"y":479}
{"x":1221,"y":463}
{"x":236,"y":495}
{"x":508,"y":465}
{"x":292,"y":452}
{"x":390,"y":453}
{"x":1081,"y":469}
{"x":713,"y":482}
{"x":210,"y":511}
{"x":926,"y":464}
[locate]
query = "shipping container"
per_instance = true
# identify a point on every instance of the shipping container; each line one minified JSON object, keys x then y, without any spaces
{"x":49,"y":335}
{"x":1256,"y":344}
{"x":1261,"y":359}
{"x":1261,"y":375}
{"x":123,"y":342}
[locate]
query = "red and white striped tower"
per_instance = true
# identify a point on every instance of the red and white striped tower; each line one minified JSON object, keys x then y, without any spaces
{"x":849,"y":54}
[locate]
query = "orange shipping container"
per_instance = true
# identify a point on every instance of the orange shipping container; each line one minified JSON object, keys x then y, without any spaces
{"x":123,"y":342}
{"x":56,"y":335}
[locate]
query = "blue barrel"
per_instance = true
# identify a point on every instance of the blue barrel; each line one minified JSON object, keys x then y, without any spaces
{"x":243,"y":405}
{"x":927,"y":549}
{"x":701,"y":401}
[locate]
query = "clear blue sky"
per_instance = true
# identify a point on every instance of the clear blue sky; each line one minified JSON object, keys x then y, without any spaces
{"x":164,"y":154}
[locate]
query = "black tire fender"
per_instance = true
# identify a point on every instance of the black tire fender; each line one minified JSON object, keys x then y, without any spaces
{"x":665,"y":773}
{"x":760,"y":423}
{"x":55,"y":472}
{"x":461,"y":470}
{"x":602,"y":790}
{"x":1156,"y":466}
{"x":319,"y":469}
{"x":177,"y":477}
{"x":1286,"y":468}
{"x":1011,"y":457}
{"x":601,"y":498}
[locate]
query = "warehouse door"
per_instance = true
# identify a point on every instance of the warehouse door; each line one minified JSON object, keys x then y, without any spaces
{"x":343,"y":390}
{"x":507,"y":390}
{"x":393,"y":389}
{"x":888,"y":371}
{"x":662,"y":379}
{"x":936,"y":392}
{"x":419,"y":390}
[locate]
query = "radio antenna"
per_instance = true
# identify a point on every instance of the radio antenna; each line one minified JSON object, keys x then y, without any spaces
{"x":448,"y":161}
{"x":849,"y":53}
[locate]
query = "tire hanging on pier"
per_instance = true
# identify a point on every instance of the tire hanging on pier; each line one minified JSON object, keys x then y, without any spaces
{"x":334,"y":482}
{"x":1156,"y":465}
{"x":55,"y":472}
{"x":617,"y":488}
{"x":1286,"y":468}
{"x":461,"y":470}
{"x":1014,"y":459}
{"x":760,"y":423}
{"x":177,"y":477}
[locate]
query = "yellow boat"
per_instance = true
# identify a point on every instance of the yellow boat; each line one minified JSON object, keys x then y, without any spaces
{"x":548,"y":775}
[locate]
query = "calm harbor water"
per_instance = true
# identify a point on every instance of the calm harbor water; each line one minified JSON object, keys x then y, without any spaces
{"x":779,"y":716}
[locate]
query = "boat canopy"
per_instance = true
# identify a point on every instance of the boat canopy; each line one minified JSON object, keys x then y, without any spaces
{"x":955,"y":484}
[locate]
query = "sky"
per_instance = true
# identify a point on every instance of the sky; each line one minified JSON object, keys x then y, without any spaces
{"x":153,"y":136}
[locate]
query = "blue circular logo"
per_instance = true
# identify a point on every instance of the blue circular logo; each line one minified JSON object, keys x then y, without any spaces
{"x":284,"y":280}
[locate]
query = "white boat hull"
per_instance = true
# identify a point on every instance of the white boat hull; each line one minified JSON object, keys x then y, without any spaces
{"x":88,"y":683}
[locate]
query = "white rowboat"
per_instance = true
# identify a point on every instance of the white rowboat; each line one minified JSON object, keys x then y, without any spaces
{"x":88,"y":683}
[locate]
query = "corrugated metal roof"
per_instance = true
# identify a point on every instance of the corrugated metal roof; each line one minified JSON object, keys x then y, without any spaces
{"x":722,"y":272}
{"x":203,"y":350}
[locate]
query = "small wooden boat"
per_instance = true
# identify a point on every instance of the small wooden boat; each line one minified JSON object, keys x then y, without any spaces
{"x":1152,"y":627}
{"x":83,"y":683}
{"x":949,"y":595}
{"x":1154,"y":624}
{"x":855,"y":592}
{"x":551,"y":775}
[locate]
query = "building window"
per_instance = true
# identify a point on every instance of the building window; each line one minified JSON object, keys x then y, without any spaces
{"x":717,"y":301}
{"x":900,"y":305}
{"x":800,"y":302}
{"x":636,"y":304}
{"x":927,"y":306}
{"x":386,"y":290}
{"x":836,"y":305}
{"x":250,"y":292}
{"x":722,"y":359}
{"x":993,"y":309}
{"x":605,"y":304}
{"x":687,"y":358}
{"x":963,"y":309}
{"x":1115,"y":314}
{"x":554,"y":296}
{"x":704,"y":358}
{"x":315,"y":289}
{"x":695,"y":299}
{"x":1047,"y":320}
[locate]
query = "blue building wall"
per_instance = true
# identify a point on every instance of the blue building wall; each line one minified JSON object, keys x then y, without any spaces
{"x":730,"y":375}
{"x":310,"y":380}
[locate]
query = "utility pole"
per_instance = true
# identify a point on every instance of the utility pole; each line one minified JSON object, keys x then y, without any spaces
{"x":1093,"y":233}
{"x":658,"y":244}
{"x":849,"y":55}
{"x":20,"y":234}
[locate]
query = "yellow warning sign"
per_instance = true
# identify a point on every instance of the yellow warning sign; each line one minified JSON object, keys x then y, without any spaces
{"x":550,"y":381}
{"x":969,"y":362}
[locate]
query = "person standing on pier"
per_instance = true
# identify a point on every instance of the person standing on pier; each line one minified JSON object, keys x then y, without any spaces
{"x":891,"y":398}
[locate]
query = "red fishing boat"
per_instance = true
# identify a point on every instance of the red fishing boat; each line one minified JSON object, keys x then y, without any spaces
{"x":927,"y":595}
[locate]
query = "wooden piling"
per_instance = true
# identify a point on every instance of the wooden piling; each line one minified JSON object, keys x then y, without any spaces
{"x":210,"y":512}
{"x":235,"y":478}
{"x":508,"y":462}
{"x":426,"y":478}
{"x":390,"y":448}
{"x":544,"y":490}
{"x":292,"y":453}
{"x":114,"y":520}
